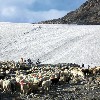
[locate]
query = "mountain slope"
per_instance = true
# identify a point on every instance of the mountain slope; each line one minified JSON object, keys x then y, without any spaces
{"x":87,"y":13}
{"x":50,"y":43}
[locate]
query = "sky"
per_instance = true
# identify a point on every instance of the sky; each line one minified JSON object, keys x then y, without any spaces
{"x":31,"y":11}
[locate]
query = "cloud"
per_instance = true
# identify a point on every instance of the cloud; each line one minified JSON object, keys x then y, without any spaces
{"x":13,"y":14}
{"x":16,"y":2}
{"x":45,"y":5}
{"x":8,"y":11}
{"x":47,"y":15}
{"x":33,"y":10}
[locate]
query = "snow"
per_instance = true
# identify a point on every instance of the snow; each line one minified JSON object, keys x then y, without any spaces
{"x":50,"y":43}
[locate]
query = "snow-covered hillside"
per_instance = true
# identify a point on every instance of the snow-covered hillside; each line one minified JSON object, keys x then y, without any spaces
{"x":50,"y":43}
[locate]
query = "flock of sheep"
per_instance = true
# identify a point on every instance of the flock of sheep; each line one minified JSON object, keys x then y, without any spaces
{"x":30,"y":79}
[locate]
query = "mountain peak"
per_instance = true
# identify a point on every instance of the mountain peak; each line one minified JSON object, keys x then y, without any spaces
{"x":87,"y":13}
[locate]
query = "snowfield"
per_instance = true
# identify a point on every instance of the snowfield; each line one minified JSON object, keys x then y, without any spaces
{"x":50,"y":43}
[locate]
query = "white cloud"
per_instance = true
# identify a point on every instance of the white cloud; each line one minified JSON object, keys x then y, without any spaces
{"x":8,"y":11}
{"x":14,"y":14}
{"x":16,"y":2}
{"x":44,"y":15}
{"x":51,"y":14}
{"x":17,"y":11}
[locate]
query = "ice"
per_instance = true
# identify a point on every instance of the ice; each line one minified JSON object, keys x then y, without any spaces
{"x":51,"y":43}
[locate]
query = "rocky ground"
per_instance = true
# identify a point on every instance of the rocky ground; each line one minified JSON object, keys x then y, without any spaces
{"x":80,"y":91}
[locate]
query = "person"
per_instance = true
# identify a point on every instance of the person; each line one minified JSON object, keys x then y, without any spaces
{"x":22,"y":60}
{"x":88,"y":66}
{"x":38,"y":62}
{"x":82,"y":65}
{"x":29,"y":61}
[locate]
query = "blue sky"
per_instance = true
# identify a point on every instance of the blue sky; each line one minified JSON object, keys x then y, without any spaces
{"x":29,"y":11}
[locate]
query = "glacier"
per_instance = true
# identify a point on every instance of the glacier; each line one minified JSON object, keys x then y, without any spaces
{"x":51,"y":43}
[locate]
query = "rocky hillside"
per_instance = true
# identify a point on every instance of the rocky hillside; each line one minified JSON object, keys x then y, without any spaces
{"x":87,"y":13}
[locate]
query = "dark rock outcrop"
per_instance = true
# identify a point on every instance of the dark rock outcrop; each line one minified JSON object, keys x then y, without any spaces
{"x":88,"y":13}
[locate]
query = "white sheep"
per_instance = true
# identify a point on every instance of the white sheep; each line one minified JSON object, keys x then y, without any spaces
{"x":46,"y":85}
{"x":6,"y":85}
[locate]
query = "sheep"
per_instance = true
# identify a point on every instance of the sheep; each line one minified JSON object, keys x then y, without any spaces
{"x":96,"y":70}
{"x":41,"y":79}
{"x":6,"y":85}
{"x":62,"y":79}
{"x":54,"y":79}
{"x":46,"y":85}
{"x":34,"y":83}
{"x":13,"y":84}
{"x":1,"y":84}
{"x":97,"y":80}
{"x":2,"y":75}
{"x":87,"y":72}
{"x":33,"y":87}
{"x":77,"y":72}
{"x":65,"y":76}
{"x":24,"y":86}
